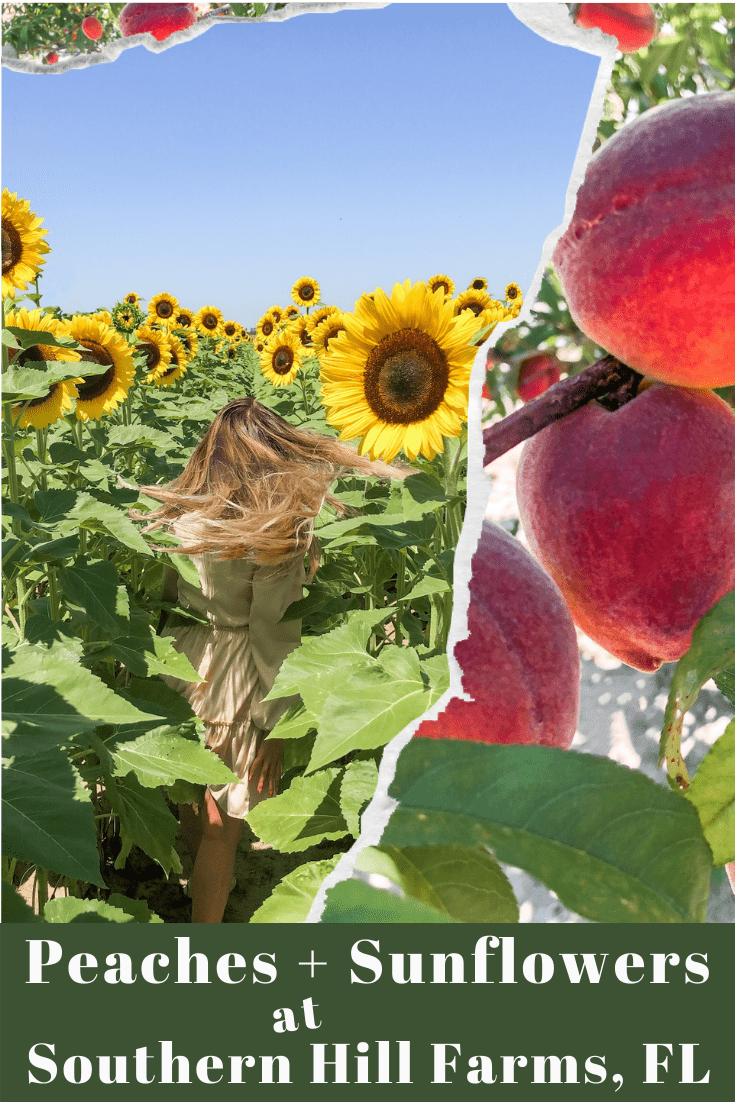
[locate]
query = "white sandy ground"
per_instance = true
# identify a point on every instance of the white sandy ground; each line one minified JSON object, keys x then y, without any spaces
{"x":621,"y":716}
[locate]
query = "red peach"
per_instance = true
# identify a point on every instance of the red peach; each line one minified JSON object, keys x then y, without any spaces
{"x":160,"y":20}
{"x":634,"y":25}
{"x":537,"y":373}
{"x":92,"y":28}
{"x":632,"y":513}
{"x":520,"y":662}
{"x":646,"y":263}
{"x":52,"y":58}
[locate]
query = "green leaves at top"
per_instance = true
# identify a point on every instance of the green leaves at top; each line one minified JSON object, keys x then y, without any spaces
{"x":612,"y":844}
{"x":354,"y":901}
{"x":713,"y":794}
{"x":712,"y":650}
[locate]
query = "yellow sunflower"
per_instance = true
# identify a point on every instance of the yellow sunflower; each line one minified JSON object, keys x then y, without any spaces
{"x":325,"y":332}
{"x":227,"y":350}
{"x":189,"y":339}
{"x":475,"y":301}
{"x":102,"y":315}
{"x":178,"y":363}
{"x":156,"y":347}
{"x":478,"y":284}
{"x":513,"y":293}
{"x":132,"y":299}
{"x":183,"y":319}
{"x":230,"y":329}
{"x":305,"y":291}
{"x":442,"y":283}
{"x":320,"y":314}
{"x":244,"y":333}
{"x":23,"y":244}
{"x":280,"y":360}
{"x":290,"y":312}
{"x":59,"y":400}
{"x":302,"y":328}
{"x":276,"y":312}
{"x":100,"y":394}
{"x":163,"y":308}
{"x":209,"y":321}
{"x":486,"y":310}
{"x":266,"y":327}
{"x":259,"y":345}
{"x":399,"y":375}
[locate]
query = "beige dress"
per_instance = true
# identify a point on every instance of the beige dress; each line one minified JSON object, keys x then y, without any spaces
{"x":238,"y":652}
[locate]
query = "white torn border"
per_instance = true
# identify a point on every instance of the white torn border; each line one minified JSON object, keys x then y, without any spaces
{"x":552,"y":22}
{"x":112,"y":50}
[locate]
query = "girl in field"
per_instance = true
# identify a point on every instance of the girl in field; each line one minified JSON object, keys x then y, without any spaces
{"x":244,"y":510}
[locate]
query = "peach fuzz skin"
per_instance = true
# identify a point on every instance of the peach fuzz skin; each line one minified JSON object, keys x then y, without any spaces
{"x":633,"y":25}
{"x":520,"y":662}
{"x":647,"y":263}
{"x":632,"y":513}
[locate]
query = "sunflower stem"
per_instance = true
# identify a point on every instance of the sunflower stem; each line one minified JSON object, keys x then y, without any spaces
{"x":400,"y":594}
{"x":307,"y":408}
{"x":13,"y":494}
{"x":41,"y":435}
{"x":41,"y":889}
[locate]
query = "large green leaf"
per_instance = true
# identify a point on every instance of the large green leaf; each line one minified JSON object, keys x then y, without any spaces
{"x":357,"y":790}
{"x":713,"y":794}
{"x":295,"y":723}
{"x":612,"y":844}
{"x":291,"y":900}
{"x":421,"y":493}
{"x":318,"y":655}
{"x":163,"y":757}
{"x":356,"y":902}
{"x":725,"y":681}
{"x":116,"y":909}
{"x":15,"y":908}
{"x":464,"y":882}
{"x":93,"y":588}
{"x":306,"y":813}
{"x":153,"y":654}
{"x":373,"y":706}
{"x":43,"y":822}
{"x":48,"y":696}
{"x":89,"y":512}
{"x":145,"y":821}
{"x":712,"y":650}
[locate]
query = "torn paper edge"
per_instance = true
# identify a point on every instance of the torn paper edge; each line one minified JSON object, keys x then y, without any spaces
{"x":551,"y":21}
{"x":112,"y":50}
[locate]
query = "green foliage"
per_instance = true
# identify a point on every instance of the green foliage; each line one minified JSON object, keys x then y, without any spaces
{"x":291,"y":900}
{"x":353,"y":901}
{"x":613,"y":845}
{"x":713,"y":794}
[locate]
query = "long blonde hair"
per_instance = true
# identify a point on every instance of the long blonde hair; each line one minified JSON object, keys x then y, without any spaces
{"x":255,"y":483}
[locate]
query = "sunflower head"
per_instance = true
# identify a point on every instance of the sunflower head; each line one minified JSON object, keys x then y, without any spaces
{"x":184,"y":319}
{"x":473,"y":301}
{"x":398,"y":377}
{"x":39,"y":412}
{"x":302,"y":328}
{"x":320,"y":314}
{"x":513,"y":293}
{"x":132,"y":299}
{"x":442,"y":284}
{"x":155,"y":346}
{"x":168,"y":374}
{"x":280,"y":358}
{"x":230,"y":329}
{"x":126,"y":317}
{"x":479,"y":284}
{"x":99,"y":394}
{"x":326,"y":332}
{"x":290,"y":312}
{"x":209,"y":321}
{"x":266,"y":326}
{"x":163,"y":309}
{"x":305,"y":291}
{"x":23,"y":244}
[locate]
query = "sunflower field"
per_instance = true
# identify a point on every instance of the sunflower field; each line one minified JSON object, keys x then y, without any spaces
{"x":98,"y":750}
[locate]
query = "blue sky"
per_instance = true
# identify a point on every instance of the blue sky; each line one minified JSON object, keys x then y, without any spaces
{"x":359,"y":147}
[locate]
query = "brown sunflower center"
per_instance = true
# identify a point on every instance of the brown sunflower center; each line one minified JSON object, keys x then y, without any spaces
{"x":184,"y":320}
{"x":164,"y":309}
{"x":331,"y":333}
{"x":267,"y":328}
{"x":475,"y":307}
{"x":152,"y":354}
{"x":478,"y":284}
{"x":35,"y":402}
{"x":35,"y":354}
{"x":442,"y":286}
{"x":305,"y":337}
{"x":230,"y":330}
{"x":406,"y":377}
{"x":209,"y":321}
{"x":283,"y":361}
{"x":511,"y":293}
{"x":306,"y":294}
{"x":93,"y":386}
{"x":132,"y":299}
{"x":12,"y":246}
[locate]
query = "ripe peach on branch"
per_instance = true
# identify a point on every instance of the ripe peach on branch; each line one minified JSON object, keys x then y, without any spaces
{"x":633,"y":25}
{"x":160,"y":20}
{"x":647,"y":263}
{"x":520,"y":662}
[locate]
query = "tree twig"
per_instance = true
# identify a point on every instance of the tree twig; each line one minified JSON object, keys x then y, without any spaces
{"x":607,"y":379}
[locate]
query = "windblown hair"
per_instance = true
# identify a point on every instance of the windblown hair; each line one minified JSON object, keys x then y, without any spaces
{"x":254,"y":485}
